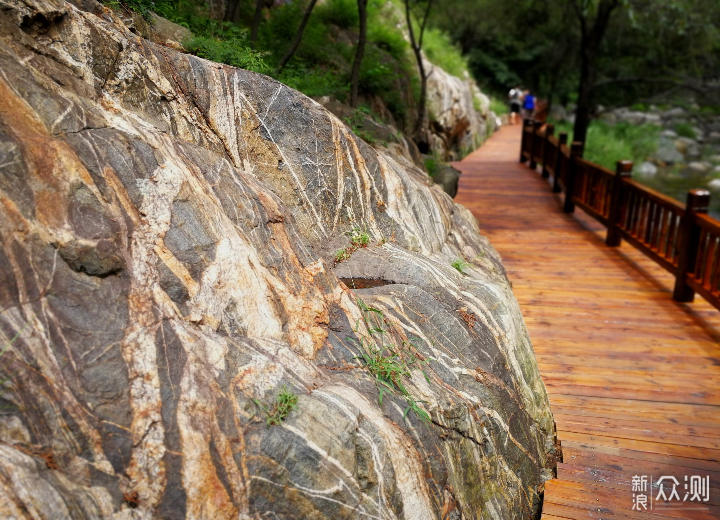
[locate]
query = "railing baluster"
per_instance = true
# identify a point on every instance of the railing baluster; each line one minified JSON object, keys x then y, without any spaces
{"x":575,"y":153}
{"x":549,"y":131}
{"x":689,"y":238}
{"x":559,"y":162}
{"x":534,"y":125}
{"x":623,"y":170}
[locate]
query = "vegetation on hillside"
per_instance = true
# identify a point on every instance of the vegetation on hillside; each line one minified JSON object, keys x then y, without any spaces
{"x":388,"y":80}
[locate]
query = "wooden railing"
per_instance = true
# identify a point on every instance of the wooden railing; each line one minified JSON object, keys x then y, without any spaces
{"x":682,"y":238}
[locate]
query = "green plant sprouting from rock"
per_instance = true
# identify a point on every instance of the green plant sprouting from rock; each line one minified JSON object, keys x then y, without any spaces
{"x":460,"y":264}
{"x":388,"y":358}
{"x":285,"y":402}
{"x":359,"y":237}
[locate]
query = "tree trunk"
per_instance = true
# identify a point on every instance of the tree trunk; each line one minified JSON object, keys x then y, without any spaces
{"x":590,"y":42}
{"x":585,"y":91}
{"x":298,"y":36}
{"x":359,"y":51}
{"x":256,"y":19}
{"x":416,"y":44}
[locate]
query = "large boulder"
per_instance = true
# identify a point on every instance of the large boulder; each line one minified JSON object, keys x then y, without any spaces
{"x":456,"y":126}
{"x":169,"y":229}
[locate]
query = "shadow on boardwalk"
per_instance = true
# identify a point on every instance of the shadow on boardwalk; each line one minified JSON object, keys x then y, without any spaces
{"x":633,"y":377}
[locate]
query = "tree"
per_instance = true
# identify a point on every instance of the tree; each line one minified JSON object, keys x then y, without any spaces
{"x":256,"y":19}
{"x":416,"y":44}
{"x":359,"y":51}
{"x":298,"y":36}
{"x":592,"y":32}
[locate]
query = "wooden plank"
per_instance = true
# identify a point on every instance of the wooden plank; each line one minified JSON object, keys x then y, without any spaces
{"x":623,"y":481}
{"x":633,"y":378}
{"x":597,"y":460}
{"x":639,"y":450}
{"x":619,"y":505}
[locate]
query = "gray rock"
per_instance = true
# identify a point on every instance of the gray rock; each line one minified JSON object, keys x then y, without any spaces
{"x":690,"y":148}
{"x":646,"y":170}
{"x":674,"y":113}
{"x":667,"y":152}
{"x":670,"y":134}
{"x":164,"y":30}
{"x":168,"y":235}
{"x":699,"y":167}
{"x":714,"y":185}
{"x":447,"y":177}
{"x":713,"y":138}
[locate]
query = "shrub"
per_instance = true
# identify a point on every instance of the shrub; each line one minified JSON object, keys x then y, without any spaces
{"x":233,"y":52}
{"x":685,"y":130}
{"x":285,"y":402}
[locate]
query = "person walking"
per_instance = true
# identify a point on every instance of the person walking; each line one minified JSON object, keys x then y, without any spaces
{"x":515,"y":100}
{"x":528,"y":105}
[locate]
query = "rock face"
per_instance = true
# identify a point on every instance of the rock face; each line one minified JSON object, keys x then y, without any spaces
{"x":169,"y":227}
{"x":455,"y":124}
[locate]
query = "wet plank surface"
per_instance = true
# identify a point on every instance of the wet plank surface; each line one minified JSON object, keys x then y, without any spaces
{"x":633,"y":377}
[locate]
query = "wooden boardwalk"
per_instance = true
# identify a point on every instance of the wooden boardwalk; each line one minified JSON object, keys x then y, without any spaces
{"x":633,"y":377}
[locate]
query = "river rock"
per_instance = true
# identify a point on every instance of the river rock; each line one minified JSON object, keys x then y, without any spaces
{"x":667,"y":152}
{"x":169,"y":229}
{"x":714,"y":185}
{"x":690,"y":148}
{"x":646,"y":170}
{"x":699,"y":167}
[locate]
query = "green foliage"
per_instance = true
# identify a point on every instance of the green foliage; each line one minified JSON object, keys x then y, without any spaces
{"x":359,"y":237}
{"x":232,"y":51}
{"x":342,"y":255}
{"x":285,"y":402}
{"x":460,"y":264}
{"x":685,"y":130}
{"x":498,"y":106}
{"x":441,"y":51}
{"x":314,"y":82}
{"x":388,"y":358}
{"x":607,"y":144}
{"x":433,"y":165}
{"x":343,"y":13}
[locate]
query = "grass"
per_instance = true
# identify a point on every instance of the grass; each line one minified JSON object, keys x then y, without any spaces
{"x":285,"y":402}
{"x":498,"y":106}
{"x":433,"y":165}
{"x":440,"y":50}
{"x":685,"y":130}
{"x":359,"y":237}
{"x":607,"y":144}
{"x":388,"y":358}
{"x":460,"y":264}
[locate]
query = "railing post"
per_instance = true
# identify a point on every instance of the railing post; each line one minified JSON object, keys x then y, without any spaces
{"x":549,"y":131}
{"x":697,"y":202}
{"x":525,"y":123}
{"x":533,"y":164}
{"x":562,"y":139}
{"x":623,"y":170}
{"x":576,"y":150}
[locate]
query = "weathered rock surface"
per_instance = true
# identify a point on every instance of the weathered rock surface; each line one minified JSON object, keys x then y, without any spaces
{"x":456,"y":127}
{"x":168,"y":230}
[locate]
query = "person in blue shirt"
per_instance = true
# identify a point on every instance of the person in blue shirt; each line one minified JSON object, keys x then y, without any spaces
{"x":528,"y":105}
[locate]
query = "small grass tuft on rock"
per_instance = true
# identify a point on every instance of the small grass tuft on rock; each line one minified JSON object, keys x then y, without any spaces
{"x":460,"y":265}
{"x":285,"y":402}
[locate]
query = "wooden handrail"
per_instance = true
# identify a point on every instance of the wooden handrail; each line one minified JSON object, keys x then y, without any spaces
{"x":681,"y":238}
